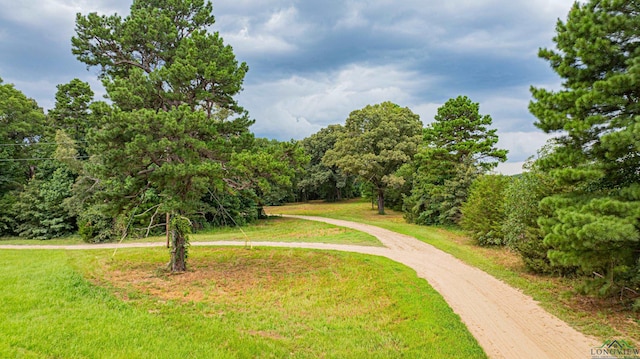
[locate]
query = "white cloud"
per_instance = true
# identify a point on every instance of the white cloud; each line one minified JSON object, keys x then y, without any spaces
{"x":277,"y":33}
{"x":246,"y":43}
{"x":298,"y":106}
{"x":283,"y":20}
{"x":509,"y":168}
{"x":426,"y":111}
{"x":522,"y":145}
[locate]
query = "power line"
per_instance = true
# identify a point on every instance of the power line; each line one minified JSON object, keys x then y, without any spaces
{"x":41,"y":159}
{"x":40,"y":143}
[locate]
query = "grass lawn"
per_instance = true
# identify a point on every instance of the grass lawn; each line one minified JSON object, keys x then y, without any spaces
{"x":233,"y":303}
{"x":599,"y":318}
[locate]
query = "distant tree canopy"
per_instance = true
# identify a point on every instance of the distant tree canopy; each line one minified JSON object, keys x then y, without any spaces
{"x":594,"y":222}
{"x":21,"y":124}
{"x":321,"y":181}
{"x":376,"y":141}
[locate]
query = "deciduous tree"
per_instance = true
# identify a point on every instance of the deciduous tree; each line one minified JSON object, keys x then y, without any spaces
{"x":21,"y":126}
{"x":321,"y":181}
{"x":376,"y":141}
{"x":483,"y":214}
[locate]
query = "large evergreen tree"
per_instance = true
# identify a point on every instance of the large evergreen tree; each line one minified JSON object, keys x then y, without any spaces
{"x":376,"y":141}
{"x":175,"y":123}
{"x":595,"y":223}
{"x":458,"y":146}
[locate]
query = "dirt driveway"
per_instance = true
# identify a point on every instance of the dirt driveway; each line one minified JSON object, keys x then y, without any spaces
{"x":506,"y":323}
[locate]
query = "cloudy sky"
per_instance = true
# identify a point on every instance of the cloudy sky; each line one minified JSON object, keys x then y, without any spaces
{"x":312,"y":62}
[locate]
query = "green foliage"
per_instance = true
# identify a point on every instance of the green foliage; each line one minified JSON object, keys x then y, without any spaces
{"x":597,"y":232}
{"x":94,"y":225}
{"x":521,"y":229}
{"x":457,"y":148}
{"x":21,"y":124}
{"x":321,"y":181}
{"x":376,"y":141}
{"x":165,"y":56}
{"x":8,"y":214}
{"x":271,"y":168}
{"x":594,"y":224}
{"x":484,"y":212}
{"x":40,"y":209}
{"x":229,"y":208}
{"x":175,"y":125}
{"x":72,"y":113}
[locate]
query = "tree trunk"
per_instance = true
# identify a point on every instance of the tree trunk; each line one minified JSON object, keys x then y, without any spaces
{"x":178,"y":249}
{"x":261,"y":213}
{"x":168,"y":218}
{"x":380,"y":201}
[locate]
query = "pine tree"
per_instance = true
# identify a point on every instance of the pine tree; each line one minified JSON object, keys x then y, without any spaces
{"x":594,"y":223}
{"x":175,"y":123}
{"x":458,"y":146}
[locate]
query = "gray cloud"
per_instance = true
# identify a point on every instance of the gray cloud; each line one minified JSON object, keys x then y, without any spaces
{"x":313,"y":62}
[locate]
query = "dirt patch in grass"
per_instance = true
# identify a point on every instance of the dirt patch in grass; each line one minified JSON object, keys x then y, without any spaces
{"x":219,"y":275}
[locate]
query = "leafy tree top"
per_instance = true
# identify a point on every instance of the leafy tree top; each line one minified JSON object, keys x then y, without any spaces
{"x":21,"y":124}
{"x":376,"y":141}
{"x":460,"y":132}
{"x":161,"y":56}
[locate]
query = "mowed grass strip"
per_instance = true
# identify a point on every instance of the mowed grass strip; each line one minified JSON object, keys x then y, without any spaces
{"x":233,"y":303}
{"x":592,"y":316}
{"x":288,"y":230}
{"x":272,"y":229}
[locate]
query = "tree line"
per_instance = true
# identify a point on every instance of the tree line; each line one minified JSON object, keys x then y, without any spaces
{"x":172,"y":148}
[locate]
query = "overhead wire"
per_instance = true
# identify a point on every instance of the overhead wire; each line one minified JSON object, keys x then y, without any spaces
{"x":41,"y":159}
{"x":40,"y":143}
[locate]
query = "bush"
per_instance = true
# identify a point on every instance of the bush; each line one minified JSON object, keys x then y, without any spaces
{"x":40,"y":209}
{"x":94,"y":226}
{"x":483,"y":214}
{"x":521,"y":230}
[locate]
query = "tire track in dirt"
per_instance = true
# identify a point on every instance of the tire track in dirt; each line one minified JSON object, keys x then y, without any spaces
{"x":504,"y":321}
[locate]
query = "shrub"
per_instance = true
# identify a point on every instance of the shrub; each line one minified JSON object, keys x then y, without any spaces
{"x":521,"y":230}
{"x":483,"y":214}
{"x":94,"y":226}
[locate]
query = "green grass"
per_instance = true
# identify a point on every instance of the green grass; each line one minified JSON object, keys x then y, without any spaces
{"x":272,"y":229}
{"x":55,"y":241}
{"x":288,"y":230}
{"x":235,"y":303}
{"x":554,"y":294}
